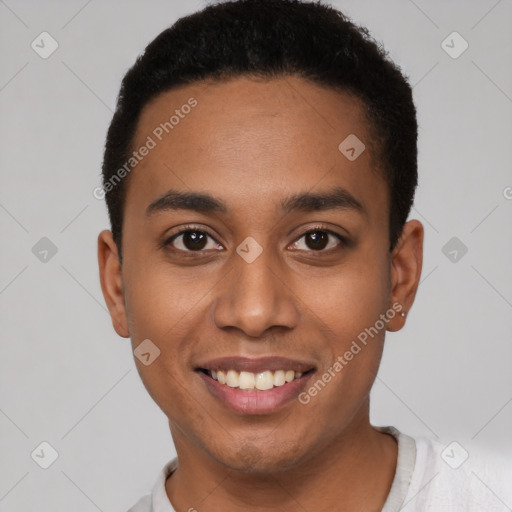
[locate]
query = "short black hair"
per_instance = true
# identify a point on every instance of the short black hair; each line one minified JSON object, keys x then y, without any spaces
{"x":271,"y":39}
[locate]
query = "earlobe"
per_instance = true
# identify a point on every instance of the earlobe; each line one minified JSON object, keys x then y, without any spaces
{"x":406,"y":265}
{"x":111,"y":282}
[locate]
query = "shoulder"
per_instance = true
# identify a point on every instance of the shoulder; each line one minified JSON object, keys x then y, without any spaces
{"x":457,"y":478}
{"x":157,"y":500}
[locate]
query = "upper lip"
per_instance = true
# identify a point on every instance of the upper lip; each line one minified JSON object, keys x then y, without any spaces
{"x":255,"y":365}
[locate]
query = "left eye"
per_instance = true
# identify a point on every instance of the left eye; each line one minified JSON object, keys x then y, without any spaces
{"x":318,"y":240}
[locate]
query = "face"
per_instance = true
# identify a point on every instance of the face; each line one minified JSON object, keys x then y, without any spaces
{"x":276,"y":260}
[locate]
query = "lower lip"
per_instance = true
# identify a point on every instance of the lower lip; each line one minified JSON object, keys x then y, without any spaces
{"x":255,"y":402}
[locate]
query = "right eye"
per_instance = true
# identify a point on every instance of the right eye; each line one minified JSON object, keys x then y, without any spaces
{"x":192,"y":239}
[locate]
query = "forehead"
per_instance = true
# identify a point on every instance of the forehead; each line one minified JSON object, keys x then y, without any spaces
{"x":251,"y":141}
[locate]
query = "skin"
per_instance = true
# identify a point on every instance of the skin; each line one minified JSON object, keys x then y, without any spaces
{"x":252,"y":143}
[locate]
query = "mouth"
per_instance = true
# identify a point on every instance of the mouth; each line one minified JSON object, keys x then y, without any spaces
{"x":255,"y":386}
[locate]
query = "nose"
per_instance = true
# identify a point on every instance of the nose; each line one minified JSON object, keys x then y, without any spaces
{"x":255,"y":297}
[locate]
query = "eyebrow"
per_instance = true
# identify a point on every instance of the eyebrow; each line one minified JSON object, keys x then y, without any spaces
{"x":336,"y":199}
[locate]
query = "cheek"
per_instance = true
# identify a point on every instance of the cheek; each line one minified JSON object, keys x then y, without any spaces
{"x":164,"y":309}
{"x":165,"y":305}
{"x":348,"y":304}
{"x":350,"y":297}
{"x":160,"y":297}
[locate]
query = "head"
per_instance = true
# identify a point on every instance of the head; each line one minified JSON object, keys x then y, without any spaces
{"x":259,"y":171}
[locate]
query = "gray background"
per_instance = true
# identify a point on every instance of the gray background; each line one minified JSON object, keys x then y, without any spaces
{"x":69,"y":380}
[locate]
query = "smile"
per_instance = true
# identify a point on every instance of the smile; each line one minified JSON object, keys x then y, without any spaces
{"x":254,"y":386}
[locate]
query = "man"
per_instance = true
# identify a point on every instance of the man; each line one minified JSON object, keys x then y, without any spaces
{"x":259,"y":171}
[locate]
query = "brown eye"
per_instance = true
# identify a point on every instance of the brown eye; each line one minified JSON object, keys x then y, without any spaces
{"x":317,"y":240}
{"x":192,"y":240}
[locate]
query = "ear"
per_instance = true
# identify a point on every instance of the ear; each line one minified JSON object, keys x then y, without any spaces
{"x":406,"y":264}
{"x":112,"y":282}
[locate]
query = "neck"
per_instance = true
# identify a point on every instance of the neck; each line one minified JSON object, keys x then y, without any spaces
{"x":352,"y":474}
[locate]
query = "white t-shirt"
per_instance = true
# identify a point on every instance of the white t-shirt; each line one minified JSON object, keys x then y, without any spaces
{"x":429,"y":477}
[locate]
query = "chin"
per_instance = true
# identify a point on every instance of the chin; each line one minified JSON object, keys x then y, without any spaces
{"x":261,"y":457}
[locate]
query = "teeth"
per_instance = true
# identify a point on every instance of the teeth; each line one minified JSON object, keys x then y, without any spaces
{"x":289,"y":375}
{"x":279,"y":378}
{"x":248,"y":380}
{"x":232,"y":379}
{"x":264,"y":381}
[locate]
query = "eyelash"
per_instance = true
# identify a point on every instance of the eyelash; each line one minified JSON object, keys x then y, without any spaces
{"x":190,"y":227}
